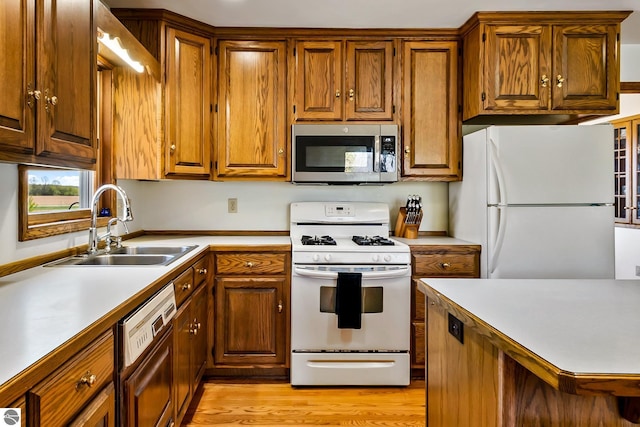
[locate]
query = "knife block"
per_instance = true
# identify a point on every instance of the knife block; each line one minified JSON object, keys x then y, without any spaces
{"x":409,"y":231}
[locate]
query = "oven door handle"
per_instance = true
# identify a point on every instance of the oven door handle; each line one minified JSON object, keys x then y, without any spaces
{"x":365,"y":275}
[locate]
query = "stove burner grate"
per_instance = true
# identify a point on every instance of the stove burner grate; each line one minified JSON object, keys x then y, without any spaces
{"x":315,"y":240}
{"x":372,"y":241}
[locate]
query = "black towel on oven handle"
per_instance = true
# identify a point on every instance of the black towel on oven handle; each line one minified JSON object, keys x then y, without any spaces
{"x":349,"y":300}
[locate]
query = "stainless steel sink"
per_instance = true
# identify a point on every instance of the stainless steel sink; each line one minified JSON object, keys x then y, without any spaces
{"x":127,"y":256}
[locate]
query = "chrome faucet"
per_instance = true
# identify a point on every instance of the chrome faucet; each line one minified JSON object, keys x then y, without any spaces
{"x":126,"y":216}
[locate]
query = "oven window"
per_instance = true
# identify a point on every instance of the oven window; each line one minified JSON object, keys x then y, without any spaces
{"x":334,"y":154}
{"x":371,"y":299}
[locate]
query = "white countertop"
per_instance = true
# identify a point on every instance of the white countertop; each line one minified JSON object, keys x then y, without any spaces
{"x":579,"y":326}
{"x":43,"y":307}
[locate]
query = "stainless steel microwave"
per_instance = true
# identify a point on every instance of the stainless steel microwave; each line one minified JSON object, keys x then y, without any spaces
{"x":344,"y":154}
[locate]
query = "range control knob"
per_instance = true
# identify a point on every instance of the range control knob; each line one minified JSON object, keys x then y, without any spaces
{"x":387,"y":258}
{"x":316,"y":257}
{"x":327,"y":257}
{"x":375,"y":258}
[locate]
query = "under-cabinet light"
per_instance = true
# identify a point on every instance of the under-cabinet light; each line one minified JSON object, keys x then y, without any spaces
{"x":114,"y":45}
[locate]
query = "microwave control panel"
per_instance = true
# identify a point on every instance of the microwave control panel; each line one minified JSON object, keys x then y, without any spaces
{"x":388,"y":153}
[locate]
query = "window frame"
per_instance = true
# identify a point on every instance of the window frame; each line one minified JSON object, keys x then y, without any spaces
{"x":632,"y":175}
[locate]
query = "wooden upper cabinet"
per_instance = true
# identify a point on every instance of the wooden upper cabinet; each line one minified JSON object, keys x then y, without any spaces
{"x":188,"y":103}
{"x":251,"y":121}
{"x":516,"y":55}
{"x":356,"y":86}
{"x":541,"y":63}
{"x":431,"y":130}
{"x":585,"y":68}
{"x":48,"y":112}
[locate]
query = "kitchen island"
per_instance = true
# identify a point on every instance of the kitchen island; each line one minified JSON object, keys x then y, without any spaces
{"x":532,"y":352}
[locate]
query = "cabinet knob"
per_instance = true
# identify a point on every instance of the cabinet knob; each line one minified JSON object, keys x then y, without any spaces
{"x":49,"y":100}
{"x":186,"y":286}
{"x":280,"y":306}
{"x":280,"y":152}
{"x":33,"y":95}
{"x":172,"y":148}
{"x":87,"y":379}
{"x":249,"y":264}
{"x":352,"y":94}
{"x":193,"y":330}
{"x":559,"y":80}
{"x":337,"y":94}
{"x":544,"y":80}
{"x":445,"y":265}
{"x":202,"y":271}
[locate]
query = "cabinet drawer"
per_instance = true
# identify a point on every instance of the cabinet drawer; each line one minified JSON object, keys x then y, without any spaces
{"x":183,"y":286}
{"x":200,"y":271}
{"x":250,"y":263}
{"x":56,"y":399}
{"x":443,"y":265}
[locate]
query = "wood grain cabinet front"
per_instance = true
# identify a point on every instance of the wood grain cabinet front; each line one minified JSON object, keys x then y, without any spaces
{"x":252,"y":129}
{"x":431,"y":138}
{"x":541,"y":63}
{"x":190,"y":332}
{"x":252,"y":312}
{"x":356,"y":85}
{"x":81,"y":389}
{"x":48,"y":84}
{"x":435,"y":261}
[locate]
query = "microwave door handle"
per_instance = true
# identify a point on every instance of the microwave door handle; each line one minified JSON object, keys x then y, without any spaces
{"x":376,"y":153}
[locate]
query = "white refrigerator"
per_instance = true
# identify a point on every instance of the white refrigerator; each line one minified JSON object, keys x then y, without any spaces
{"x":539,"y":199}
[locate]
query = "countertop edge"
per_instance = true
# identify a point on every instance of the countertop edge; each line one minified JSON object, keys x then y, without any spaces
{"x":566,"y":381}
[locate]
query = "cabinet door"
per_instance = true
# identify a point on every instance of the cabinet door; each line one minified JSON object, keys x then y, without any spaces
{"x":318,"y":92}
{"x":250,"y":321}
{"x":148,"y":392}
{"x":100,"y":412}
{"x":431,"y":135}
{"x":17,"y":76}
{"x":369,"y":82}
{"x":66,"y":51}
{"x":188,"y":104}
{"x":623,"y":180}
{"x":252,"y":126}
{"x":518,"y":67}
{"x":585,"y":72}
{"x":199,"y":343}
{"x":182,"y":358}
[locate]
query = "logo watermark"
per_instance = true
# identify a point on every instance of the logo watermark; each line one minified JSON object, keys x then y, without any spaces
{"x":10,"y":416}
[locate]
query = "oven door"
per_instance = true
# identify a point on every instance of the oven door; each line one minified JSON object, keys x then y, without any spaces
{"x":375,"y":354}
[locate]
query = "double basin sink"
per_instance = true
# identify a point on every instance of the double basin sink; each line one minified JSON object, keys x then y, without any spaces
{"x":127,"y":256}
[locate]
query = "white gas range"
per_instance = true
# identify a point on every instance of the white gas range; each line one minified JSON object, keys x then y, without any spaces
{"x":350,"y":296}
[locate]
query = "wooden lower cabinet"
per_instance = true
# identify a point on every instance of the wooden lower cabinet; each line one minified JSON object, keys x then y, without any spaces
{"x":435,"y":261}
{"x":148,"y":391}
{"x":76,"y":388}
{"x":252,"y":312}
{"x":190,"y":333}
{"x":101,"y":412}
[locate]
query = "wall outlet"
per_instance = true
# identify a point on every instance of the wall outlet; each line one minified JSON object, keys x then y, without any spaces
{"x":232,"y":205}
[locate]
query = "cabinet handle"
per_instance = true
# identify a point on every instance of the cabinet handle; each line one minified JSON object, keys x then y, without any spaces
{"x":337,"y":94}
{"x":407,"y":151}
{"x":280,"y":306}
{"x":87,"y":379}
{"x":559,"y":80}
{"x":33,"y":95}
{"x":249,"y":264}
{"x":544,"y":81}
{"x":202,"y":271}
{"x":196,"y":324}
{"x":186,"y":286}
{"x":193,"y":331}
{"x":352,"y":93}
{"x":445,"y":265}
{"x":173,"y":147}
{"x":53,"y":100}
{"x":280,"y":152}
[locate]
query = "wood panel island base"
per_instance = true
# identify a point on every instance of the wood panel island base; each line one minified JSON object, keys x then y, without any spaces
{"x":532,"y":352}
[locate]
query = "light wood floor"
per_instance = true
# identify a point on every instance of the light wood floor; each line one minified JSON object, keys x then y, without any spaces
{"x":235,"y":403}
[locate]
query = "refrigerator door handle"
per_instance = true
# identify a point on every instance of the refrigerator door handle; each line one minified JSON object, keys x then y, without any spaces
{"x":497,"y":167}
{"x":502,"y":226}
